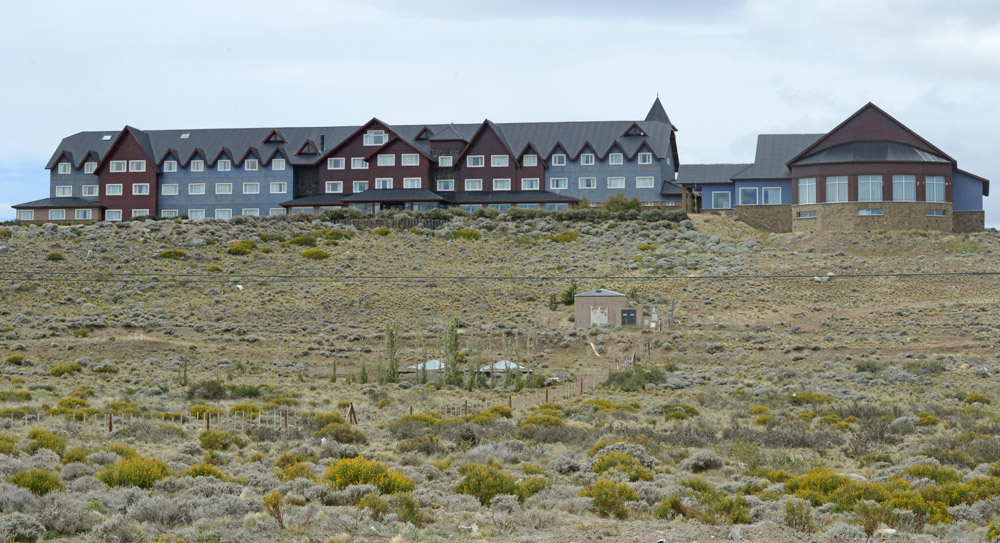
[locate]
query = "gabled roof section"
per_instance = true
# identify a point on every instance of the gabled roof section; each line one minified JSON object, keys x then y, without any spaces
{"x":59,"y":158}
{"x":274,"y":137}
{"x":634,"y":130}
{"x":892,"y":130}
{"x":308,"y":148}
{"x":491,"y":126}
{"x":425,"y":133}
{"x":449,"y":133}
{"x":359,"y":131}
{"x":393,"y":140}
{"x":702,"y":174}
{"x":670,"y":189}
{"x":251,"y":151}
{"x":167,"y":153}
{"x":140,"y":137}
{"x":659,"y":114}
{"x":196,"y":152}
{"x":223,"y":151}
{"x":983,"y":180}
{"x":772,"y":155}
{"x":278,"y":152}
{"x":58,"y":202}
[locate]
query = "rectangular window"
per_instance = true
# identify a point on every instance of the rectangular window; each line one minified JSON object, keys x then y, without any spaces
{"x":807,"y":190}
{"x":25,"y":214}
{"x":250,"y":165}
{"x":772,"y":196}
{"x":65,"y":168}
{"x":360,"y":186}
{"x":223,"y":188}
{"x":500,"y":207}
{"x":836,"y":188}
{"x":558,"y":183}
{"x":277,"y":165}
{"x":113,"y":215}
{"x":196,"y":214}
{"x":935,"y":213}
{"x":119,"y":166}
{"x":748,"y":196}
{"x":411,"y":182}
{"x":616,"y":159}
{"x":197,"y":165}
{"x":276,"y":211}
{"x":587,"y":182}
{"x":335,"y":163}
{"x":91,"y":190}
{"x":501,"y":184}
{"x":358,"y":163}
{"x":559,"y":160}
{"x":556,"y":207}
{"x":806,"y":215}
{"x":616,"y":182}
{"x":529,"y":183}
{"x":645,"y":158}
{"x":445,"y":161}
{"x":499,"y":161}
{"x":587,"y":159}
{"x":169,"y":190}
{"x":302,"y":209}
{"x":251,"y":188}
{"x":140,"y":189}
{"x":113,"y":190}
{"x":196,"y":189}
{"x":387,"y":160}
{"x":224,"y":166}
{"x":643,"y":182}
{"x":475,"y":161}
{"x":57,"y":214}
{"x":137,"y":165}
{"x":935,"y":188}
{"x":169,"y":166}
{"x":64,"y":191}
{"x":89,"y":167}
{"x":869,"y":188}
{"x":721,"y":200}
{"x":473,"y":184}
{"x":334,"y":187}
{"x":530,"y":161}
{"x":279,"y":187}
{"x":869,"y":211}
{"x":446,"y":185}
{"x":375,"y":137}
{"x":168,"y":213}
{"x":223,"y":213}
{"x":250,"y":212}
{"x":904,"y":188}
{"x":410,"y":159}
{"x":383,"y":183}
{"x":83,"y":214}
{"x":529,"y":206}
{"x":139,"y":213}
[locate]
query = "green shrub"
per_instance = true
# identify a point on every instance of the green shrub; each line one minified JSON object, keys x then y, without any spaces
{"x":39,"y":481}
{"x":427,"y":445}
{"x":624,"y":463}
{"x":315,"y":254}
{"x":76,"y":454}
{"x":59,"y":371}
{"x":174,"y":254}
{"x":201,"y":409}
{"x":382,"y":231}
{"x":342,"y":433}
{"x":358,"y":471}
{"x":241,"y":248}
{"x":270,"y":236}
{"x":809,"y":398}
{"x":414,"y":425}
{"x":54,"y":257}
{"x":798,"y":515}
{"x":15,"y":359}
{"x":213,"y":268}
{"x":618,"y":202}
{"x":81,"y":332}
{"x":635,"y":378}
{"x":484,"y":482}
{"x":375,"y":504}
{"x":248,"y":410}
{"x":679,"y":411}
{"x":15,"y":396}
{"x":211,"y":389}
{"x":646,"y":247}
{"x":466,"y":233}
{"x":204,"y":469}
{"x":407,"y":509}
{"x":121,"y":450}
{"x":8,"y":443}
{"x":564,"y":237}
{"x":5,"y":234}
{"x":926,"y":419}
{"x":297,"y":470}
{"x":219,"y":440}
{"x":44,"y":439}
{"x":138,"y":471}
{"x":610,"y":497}
{"x":975,"y":397}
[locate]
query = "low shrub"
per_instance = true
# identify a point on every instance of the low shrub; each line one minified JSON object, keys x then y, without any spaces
{"x":809,"y":398}
{"x":54,"y":257}
{"x":359,"y":471}
{"x":426,"y":444}
{"x":407,"y":509}
{"x":174,"y":254}
{"x":212,"y":389}
{"x":15,"y":360}
{"x":248,"y":410}
{"x":75,"y":454}
{"x":121,"y":449}
{"x":8,"y":443}
{"x":241,"y":248}
{"x":484,"y":482}
{"x":204,"y":469}
{"x":296,"y":470}
{"x":635,"y":378}
{"x":38,"y":481}
{"x":610,"y":497}
{"x":214,"y":268}
{"x":680,"y":411}
{"x":220,"y":440}
{"x":382,"y":231}
{"x":342,"y":433}
{"x":625,"y":463}
{"x":20,"y":528}
{"x":375,"y":504}
{"x":15,"y":396}
{"x":201,"y":410}
{"x":59,"y":371}
{"x":271,"y":236}
{"x":315,"y":254}
{"x":564,"y":237}
{"x":646,"y":247}
{"x":975,"y":397}
{"x":138,"y":471}
{"x":44,"y":439}
{"x":413,"y":425}
{"x":466,"y":233}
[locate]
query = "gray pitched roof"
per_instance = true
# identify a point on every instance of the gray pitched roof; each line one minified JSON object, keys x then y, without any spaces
{"x":701,"y":174}
{"x":503,"y":197}
{"x":601,"y":292}
{"x":448,"y":133}
{"x":670,"y":189}
{"x":773,"y":151}
{"x":871,"y":151}
{"x":315,"y":200}
{"x":657,"y":113}
{"x":394,"y":195}
{"x":59,"y":202}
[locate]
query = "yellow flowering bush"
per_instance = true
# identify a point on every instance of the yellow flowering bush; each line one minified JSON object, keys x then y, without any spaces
{"x":360,"y":470}
{"x":136,"y":471}
{"x":39,"y":481}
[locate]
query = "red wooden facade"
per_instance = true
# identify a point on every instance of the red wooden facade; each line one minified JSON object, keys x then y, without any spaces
{"x":128,"y":149}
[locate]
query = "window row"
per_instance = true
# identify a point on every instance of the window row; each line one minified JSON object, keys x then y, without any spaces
{"x":198,"y":214}
{"x":871,"y":212}
{"x":589,"y":159}
{"x":381,"y":183}
{"x":498,"y":184}
{"x":359,"y":163}
{"x":198,"y":189}
{"x":471,"y":208}
{"x":66,"y":191}
{"x":904,"y":189}
{"x":56,"y":214}
{"x":249,"y":165}
{"x":562,"y":183}
{"x":65,"y":168}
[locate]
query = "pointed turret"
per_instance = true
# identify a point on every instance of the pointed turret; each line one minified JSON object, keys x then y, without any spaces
{"x":657,"y":113}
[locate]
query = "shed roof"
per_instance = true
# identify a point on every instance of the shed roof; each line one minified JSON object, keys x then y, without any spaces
{"x":394,"y":195}
{"x":773,"y":151}
{"x":58,"y":202}
{"x":505,"y":197}
{"x":603,"y":292}
{"x":702,"y":174}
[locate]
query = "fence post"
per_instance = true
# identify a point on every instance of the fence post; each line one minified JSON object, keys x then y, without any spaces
{"x":581,"y":386}
{"x":111,"y":417}
{"x":466,"y":408}
{"x":208,"y":421}
{"x":286,"y":418}
{"x":546,"y":395}
{"x":510,"y":401}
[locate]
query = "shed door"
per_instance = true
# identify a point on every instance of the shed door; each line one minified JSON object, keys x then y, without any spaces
{"x":628,"y":317}
{"x":598,"y":315}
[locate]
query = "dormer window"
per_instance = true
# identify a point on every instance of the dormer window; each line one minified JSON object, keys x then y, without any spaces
{"x":375,"y":137}
{"x":106,"y":137}
{"x":587,"y":159}
{"x":65,"y":168}
{"x":224,"y":166}
{"x":185,"y":136}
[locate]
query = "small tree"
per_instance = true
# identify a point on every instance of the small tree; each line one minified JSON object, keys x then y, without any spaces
{"x":619,"y":202}
{"x":333,"y":376}
{"x":391,"y":350}
{"x":568,"y":294}
{"x":449,"y":344}
{"x":363,"y":377}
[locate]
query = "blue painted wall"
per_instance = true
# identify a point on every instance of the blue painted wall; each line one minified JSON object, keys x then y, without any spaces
{"x":602,"y":170}
{"x":707,"y":190}
{"x":966,"y":193}
{"x":77,"y":179}
{"x":237,"y":201}
{"x":784,"y":184}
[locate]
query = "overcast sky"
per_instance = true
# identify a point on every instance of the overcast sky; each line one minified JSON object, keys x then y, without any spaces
{"x":725,"y":70}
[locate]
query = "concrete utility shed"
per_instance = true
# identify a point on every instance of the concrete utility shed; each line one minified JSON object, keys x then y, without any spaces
{"x":603,"y":307}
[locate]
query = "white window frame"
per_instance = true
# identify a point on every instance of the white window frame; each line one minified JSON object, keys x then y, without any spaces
{"x":642,"y":183}
{"x":250,"y":165}
{"x":334,"y":187}
{"x":935,"y":180}
{"x":106,"y":137}
{"x":616,"y":159}
{"x":530,"y":161}
{"x":62,"y":189}
{"x":805,"y":215}
{"x":475,"y":161}
{"x":446,"y":185}
{"x":25,"y":214}
{"x":193,"y":212}
{"x":645,"y":158}
{"x":224,"y":165}
{"x":531,"y":183}
{"x":904,"y":183}
{"x":763,"y":196}
{"x":870,"y":212}
{"x":842,"y":185}
{"x":500,"y":183}
{"x":374,"y":138}
{"x":251,"y":188}
{"x":616,"y":182}
{"x":935,"y":213}
{"x":386,"y":160}
{"x":196,"y":189}
{"x":140,"y":189}
{"x":477,"y":185}
{"x":381,"y":182}
{"x":808,"y":196}
{"x":588,"y":159}
{"x":137,"y":165}
{"x":224,"y":212}
{"x":113,"y":189}
{"x":223,"y":188}
{"x":169,"y":166}
{"x":168,"y":213}
{"x":336,"y":163}
{"x":559,"y":183}
{"x":499,"y":161}
{"x":359,"y":163}
{"x":90,"y":190}
{"x":729,"y":199}
{"x":446,"y":161}
{"x":277,"y":165}
{"x":113,"y":215}
{"x":278,"y":187}
{"x":586,"y":183}
{"x":139,"y":213}
{"x":409,"y":159}
{"x":89,"y":167}
{"x":62,"y":211}
{"x":169,"y":189}
{"x":756,"y":195}
{"x":411,"y":181}
{"x":870,"y":181}
{"x":360,"y":186}
{"x":558,"y":159}
{"x":118,"y":166}
{"x":65,"y":168}
{"x":277,"y":211}
{"x":197,"y":165}
{"x":83,"y":214}
{"x":250,"y":212}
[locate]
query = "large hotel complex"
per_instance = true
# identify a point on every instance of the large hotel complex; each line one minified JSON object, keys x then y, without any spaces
{"x":870,"y":172}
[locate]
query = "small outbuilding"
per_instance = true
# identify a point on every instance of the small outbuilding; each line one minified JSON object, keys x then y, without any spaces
{"x":433,"y":368}
{"x":604,"y":307}
{"x":503,"y":367}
